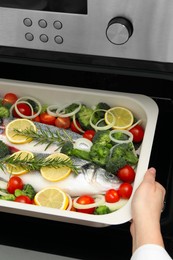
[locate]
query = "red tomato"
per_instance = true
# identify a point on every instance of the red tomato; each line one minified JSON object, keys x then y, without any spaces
{"x":63,"y":122}
{"x":112,"y":196}
{"x":24,"y":109}
{"x":89,"y":134}
{"x":45,"y":118}
{"x":86,"y":199}
{"x":36,"y":119}
{"x":126,"y":174}
{"x":23,"y":199}
{"x":125,"y":190}
{"x":138,"y":133}
{"x":9,"y":98}
{"x":15,"y":182}
{"x":73,"y":127}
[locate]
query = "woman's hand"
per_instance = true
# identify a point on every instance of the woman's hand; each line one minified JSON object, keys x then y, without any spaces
{"x":147,"y":204}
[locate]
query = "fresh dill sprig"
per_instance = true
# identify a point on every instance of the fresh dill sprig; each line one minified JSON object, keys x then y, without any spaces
{"x":35,"y":163}
{"x":45,"y":136}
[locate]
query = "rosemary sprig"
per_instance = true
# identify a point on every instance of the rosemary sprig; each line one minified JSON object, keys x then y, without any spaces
{"x":45,"y":136}
{"x":35,"y":163}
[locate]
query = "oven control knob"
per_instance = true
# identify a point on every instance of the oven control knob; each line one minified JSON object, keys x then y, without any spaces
{"x":119,"y":30}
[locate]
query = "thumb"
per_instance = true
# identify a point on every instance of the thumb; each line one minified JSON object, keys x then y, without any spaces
{"x":150,"y":175}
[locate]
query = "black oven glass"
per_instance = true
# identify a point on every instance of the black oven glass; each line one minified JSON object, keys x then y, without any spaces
{"x":65,"y":6}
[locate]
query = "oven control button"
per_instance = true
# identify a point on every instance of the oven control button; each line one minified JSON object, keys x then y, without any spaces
{"x":44,"y":38}
{"x":42,"y":23}
{"x":119,"y":30}
{"x":57,"y":25}
{"x":58,"y":39}
{"x":27,"y":22}
{"x":29,"y":36}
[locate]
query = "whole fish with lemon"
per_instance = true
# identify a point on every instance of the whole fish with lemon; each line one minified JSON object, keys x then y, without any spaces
{"x":40,"y":161}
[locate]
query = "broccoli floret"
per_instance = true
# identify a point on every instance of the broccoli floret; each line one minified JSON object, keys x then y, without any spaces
{"x":99,"y":154}
{"x":102,"y":105}
{"x":84,"y":116}
{"x":101,"y":210}
{"x":121,"y":155}
{"x":120,"y":136}
{"x":33,"y":104}
{"x":68,"y":149}
{"x":71,"y":108}
{"x":102,"y":138}
{"x":27,"y":190}
{"x":8,"y":197}
{"x":115,"y":163}
{"x":4,"y":149}
{"x":99,"y":113}
{"x":126,"y":150}
{"x":4,"y":112}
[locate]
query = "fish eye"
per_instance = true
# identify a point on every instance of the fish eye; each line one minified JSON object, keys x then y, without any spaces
{"x":110,"y":175}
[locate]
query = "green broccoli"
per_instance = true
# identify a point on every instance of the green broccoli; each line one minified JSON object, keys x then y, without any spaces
{"x":120,"y":136}
{"x":4,"y":112}
{"x":115,"y":163}
{"x":102,"y":105}
{"x":99,"y":154}
{"x":126,"y":150}
{"x":33,"y":104}
{"x":4,"y":149}
{"x":102,"y":138}
{"x":10,"y":197}
{"x":100,"y":210}
{"x":121,"y":155}
{"x":71,"y":108}
{"x":27,"y":190}
{"x":68,"y":149}
{"x":84,"y":116}
{"x":99,"y":113}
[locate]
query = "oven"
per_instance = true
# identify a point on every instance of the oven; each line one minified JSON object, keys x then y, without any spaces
{"x":113,"y":45}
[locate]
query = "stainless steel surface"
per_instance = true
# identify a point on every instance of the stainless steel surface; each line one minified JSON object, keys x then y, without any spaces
{"x":119,"y":30}
{"x":152,"y":21}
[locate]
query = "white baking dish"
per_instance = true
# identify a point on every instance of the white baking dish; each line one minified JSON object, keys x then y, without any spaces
{"x":143,"y":107}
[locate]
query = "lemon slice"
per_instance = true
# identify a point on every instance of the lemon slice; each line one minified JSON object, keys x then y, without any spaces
{"x":18,"y":170}
{"x":52,"y":197}
{"x":20,"y":124}
{"x":123,"y":117}
{"x":55,"y":174}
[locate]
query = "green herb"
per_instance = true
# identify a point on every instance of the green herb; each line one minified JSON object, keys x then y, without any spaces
{"x":45,"y":137}
{"x":35,"y":163}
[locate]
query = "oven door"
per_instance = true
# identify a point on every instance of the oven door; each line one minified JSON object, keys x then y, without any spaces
{"x":80,"y":242}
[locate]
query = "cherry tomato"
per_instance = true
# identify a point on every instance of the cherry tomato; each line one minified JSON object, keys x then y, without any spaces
{"x":15,"y":182}
{"x":36,"y":119}
{"x":89,"y":134}
{"x":138,"y":133}
{"x":23,"y":199}
{"x":126,"y":174}
{"x":112,"y":196}
{"x":24,"y":109}
{"x":125,"y":190}
{"x":9,"y":98}
{"x":63,"y":122}
{"x":73,"y":127}
{"x":45,"y":118}
{"x":86,"y":199}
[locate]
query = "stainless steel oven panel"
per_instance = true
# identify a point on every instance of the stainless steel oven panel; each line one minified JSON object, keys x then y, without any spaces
{"x":134,"y":29}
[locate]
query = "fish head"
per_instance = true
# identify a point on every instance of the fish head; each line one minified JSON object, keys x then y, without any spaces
{"x":100,"y":178}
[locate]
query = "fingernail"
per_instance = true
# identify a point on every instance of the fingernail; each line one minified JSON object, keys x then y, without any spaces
{"x":152,"y":171}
